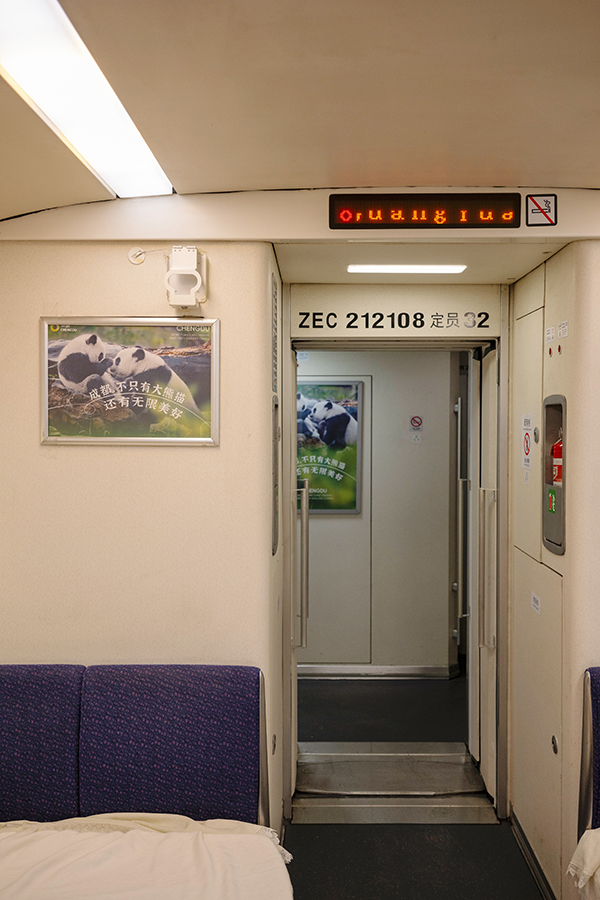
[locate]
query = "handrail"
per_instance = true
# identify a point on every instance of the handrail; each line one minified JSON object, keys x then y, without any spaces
{"x":304,"y":568}
{"x":486,"y":619}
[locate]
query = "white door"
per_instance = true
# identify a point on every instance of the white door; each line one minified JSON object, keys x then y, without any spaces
{"x":482,"y":578}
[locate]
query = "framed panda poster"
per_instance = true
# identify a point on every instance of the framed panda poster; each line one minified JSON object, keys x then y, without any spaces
{"x":133,"y":381}
{"x":329,"y":442}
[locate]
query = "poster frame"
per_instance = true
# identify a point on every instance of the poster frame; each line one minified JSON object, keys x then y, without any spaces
{"x":93,"y":322}
{"x":340,"y":381}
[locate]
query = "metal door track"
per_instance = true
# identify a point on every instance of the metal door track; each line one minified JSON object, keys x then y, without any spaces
{"x":389,"y":782}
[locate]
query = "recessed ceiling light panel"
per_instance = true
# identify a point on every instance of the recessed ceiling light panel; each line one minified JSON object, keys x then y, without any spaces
{"x":43,"y":58}
{"x":405,"y":270}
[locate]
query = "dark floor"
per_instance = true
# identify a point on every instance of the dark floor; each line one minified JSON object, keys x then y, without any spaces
{"x":398,"y":862}
{"x":378,"y":710}
{"x":407,"y":862}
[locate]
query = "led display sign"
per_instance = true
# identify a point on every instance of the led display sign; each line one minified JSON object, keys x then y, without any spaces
{"x":373,"y":211}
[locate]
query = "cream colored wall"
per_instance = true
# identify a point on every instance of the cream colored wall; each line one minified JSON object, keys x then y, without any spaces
{"x":567,"y":290}
{"x":132,"y":554}
{"x":572,"y":294}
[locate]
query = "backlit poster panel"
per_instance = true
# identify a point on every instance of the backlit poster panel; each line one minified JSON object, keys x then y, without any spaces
{"x":329,"y":436}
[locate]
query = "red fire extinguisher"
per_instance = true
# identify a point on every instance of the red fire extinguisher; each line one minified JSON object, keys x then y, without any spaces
{"x":557,"y":461}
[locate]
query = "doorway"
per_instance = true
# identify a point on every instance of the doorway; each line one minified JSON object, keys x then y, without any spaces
{"x":382,"y":569}
{"x":393,"y":648}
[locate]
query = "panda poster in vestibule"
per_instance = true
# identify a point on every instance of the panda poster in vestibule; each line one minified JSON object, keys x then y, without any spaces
{"x":329,"y":425}
{"x":130,"y":381}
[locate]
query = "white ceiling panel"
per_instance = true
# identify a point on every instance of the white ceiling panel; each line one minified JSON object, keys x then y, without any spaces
{"x":37,"y":170}
{"x":279,"y":94}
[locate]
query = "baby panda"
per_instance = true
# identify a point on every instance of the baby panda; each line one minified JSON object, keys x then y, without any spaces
{"x":141,"y":365}
{"x":303,"y":404}
{"x":304,"y":425}
{"x":83,"y":363}
{"x":336,"y":427}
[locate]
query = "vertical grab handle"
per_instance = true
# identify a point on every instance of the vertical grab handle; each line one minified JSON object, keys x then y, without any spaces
{"x":460,"y":549}
{"x":486,"y":630}
{"x":304,"y":501}
{"x":481,"y":572}
{"x":460,"y":522}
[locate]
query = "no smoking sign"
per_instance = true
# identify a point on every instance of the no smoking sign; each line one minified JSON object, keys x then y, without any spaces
{"x":416,"y":429}
{"x":541,"y":209}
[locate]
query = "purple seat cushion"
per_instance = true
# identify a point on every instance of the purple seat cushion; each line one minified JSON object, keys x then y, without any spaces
{"x":170,"y":738}
{"x":595,"y":692}
{"x":39,"y":741}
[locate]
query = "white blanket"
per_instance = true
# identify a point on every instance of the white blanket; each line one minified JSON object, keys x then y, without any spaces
{"x":585,"y":865}
{"x":141,"y":856}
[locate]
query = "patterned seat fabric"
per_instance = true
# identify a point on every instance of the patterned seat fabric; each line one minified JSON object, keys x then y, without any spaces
{"x":171,"y":738}
{"x":39,"y":737}
{"x":595,"y":693}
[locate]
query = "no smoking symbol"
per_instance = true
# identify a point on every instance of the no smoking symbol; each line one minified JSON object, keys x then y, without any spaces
{"x":416,"y":421}
{"x":527,"y":444}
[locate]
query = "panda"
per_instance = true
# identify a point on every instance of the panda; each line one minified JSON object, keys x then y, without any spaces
{"x":83,"y":363}
{"x":303,"y":405}
{"x":336,"y":426}
{"x":141,"y":365}
{"x":304,"y":426}
{"x":307,"y":428}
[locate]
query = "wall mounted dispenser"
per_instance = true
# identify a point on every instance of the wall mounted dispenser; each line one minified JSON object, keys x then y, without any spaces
{"x":185,"y":280}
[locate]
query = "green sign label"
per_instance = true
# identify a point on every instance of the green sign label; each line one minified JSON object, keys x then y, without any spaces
{"x":551,"y":500}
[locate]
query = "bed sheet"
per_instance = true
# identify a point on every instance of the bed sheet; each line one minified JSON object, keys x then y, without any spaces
{"x":141,"y":857}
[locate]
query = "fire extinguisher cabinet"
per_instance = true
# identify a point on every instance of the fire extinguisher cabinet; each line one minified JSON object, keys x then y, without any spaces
{"x":553,"y":494}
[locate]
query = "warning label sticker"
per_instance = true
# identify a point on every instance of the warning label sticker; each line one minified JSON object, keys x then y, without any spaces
{"x":526,"y":442}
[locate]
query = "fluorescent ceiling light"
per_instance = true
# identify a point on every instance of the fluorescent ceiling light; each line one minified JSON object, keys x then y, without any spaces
{"x":43,"y":58}
{"x":407,"y":270}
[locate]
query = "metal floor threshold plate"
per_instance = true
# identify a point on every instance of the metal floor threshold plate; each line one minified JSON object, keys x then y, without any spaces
{"x":462,"y":809}
{"x":389,"y":783}
{"x":387,"y":770}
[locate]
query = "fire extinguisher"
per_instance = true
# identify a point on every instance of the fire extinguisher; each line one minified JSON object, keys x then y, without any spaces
{"x":557,"y":461}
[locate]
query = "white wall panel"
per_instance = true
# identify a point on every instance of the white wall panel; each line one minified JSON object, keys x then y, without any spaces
{"x":571,"y":305}
{"x":412,"y":509}
{"x":528,"y":293}
{"x":572,"y":279}
{"x":564,"y":366}
{"x":536,"y":710}
{"x":527,"y":356}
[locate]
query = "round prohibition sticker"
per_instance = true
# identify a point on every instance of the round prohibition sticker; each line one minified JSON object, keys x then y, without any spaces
{"x":416,"y":423}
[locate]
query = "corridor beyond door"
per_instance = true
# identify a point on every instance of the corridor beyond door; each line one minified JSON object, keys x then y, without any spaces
{"x":381,"y":578}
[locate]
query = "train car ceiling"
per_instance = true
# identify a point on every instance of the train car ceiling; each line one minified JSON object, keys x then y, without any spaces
{"x":271,"y":98}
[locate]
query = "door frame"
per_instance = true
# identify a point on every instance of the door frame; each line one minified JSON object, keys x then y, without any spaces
{"x":289,"y":541}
